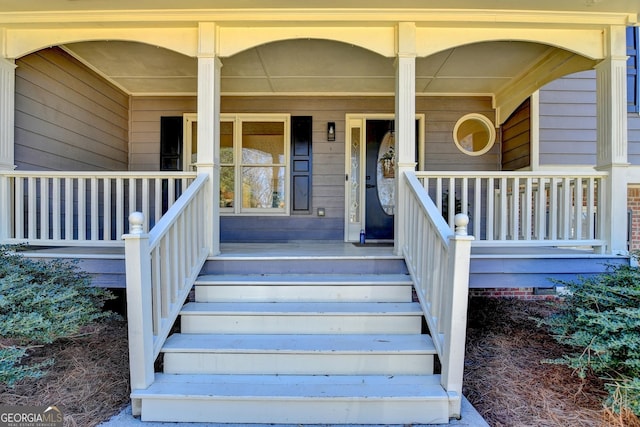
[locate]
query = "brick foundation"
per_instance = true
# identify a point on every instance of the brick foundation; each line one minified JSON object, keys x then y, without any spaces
{"x":633,"y":203}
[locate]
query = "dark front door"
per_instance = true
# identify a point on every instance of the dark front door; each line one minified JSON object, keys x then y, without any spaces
{"x":380,"y":182}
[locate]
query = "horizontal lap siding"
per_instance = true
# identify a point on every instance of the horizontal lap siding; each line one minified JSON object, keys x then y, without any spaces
{"x":328,"y":156}
{"x":441,"y":114}
{"x":516,"y":139}
{"x":67,"y":117}
{"x":568,"y":120}
{"x":145,"y":127}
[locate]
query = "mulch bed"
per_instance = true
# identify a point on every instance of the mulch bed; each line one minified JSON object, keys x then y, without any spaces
{"x":506,"y":380}
{"x":504,"y":377}
{"x":89,"y":381}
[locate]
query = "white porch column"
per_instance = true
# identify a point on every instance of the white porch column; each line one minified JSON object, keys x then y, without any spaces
{"x":208,"y":160}
{"x":405,"y":121}
{"x":611,"y":75}
{"x":7,"y":114}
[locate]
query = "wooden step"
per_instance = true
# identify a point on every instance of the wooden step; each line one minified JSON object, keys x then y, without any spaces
{"x":294,"y":399}
{"x":301,"y":318}
{"x":318,"y":287}
{"x":325,"y":354}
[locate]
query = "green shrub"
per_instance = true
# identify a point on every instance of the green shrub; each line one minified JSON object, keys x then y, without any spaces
{"x":600,"y":319}
{"x":41,"y":302}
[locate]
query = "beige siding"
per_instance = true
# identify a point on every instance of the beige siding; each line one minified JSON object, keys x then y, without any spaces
{"x":67,"y":117}
{"x":568,"y":120}
{"x":145,"y":127}
{"x":441,"y":114}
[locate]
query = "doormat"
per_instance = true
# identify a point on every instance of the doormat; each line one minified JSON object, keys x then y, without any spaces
{"x":374,"y":245}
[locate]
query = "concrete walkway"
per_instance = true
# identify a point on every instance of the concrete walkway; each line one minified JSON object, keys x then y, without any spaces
{"x":470,"y":418}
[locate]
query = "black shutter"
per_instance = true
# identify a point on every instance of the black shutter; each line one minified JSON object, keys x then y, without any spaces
{"x":633,"y":84}
{"x":171,"y":143}
{"x":301,"y":158}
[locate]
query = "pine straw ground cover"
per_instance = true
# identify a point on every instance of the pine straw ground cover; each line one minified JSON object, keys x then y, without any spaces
{"x":504,"y":378}
{"x":506,"y":381}
{"x":89,"y":380}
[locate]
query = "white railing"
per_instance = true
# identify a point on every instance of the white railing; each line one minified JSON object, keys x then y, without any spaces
{"x":161,"y":268}
{"x":530,"y":208}
{"x":438,"y":261}
{"x":83,"y":208}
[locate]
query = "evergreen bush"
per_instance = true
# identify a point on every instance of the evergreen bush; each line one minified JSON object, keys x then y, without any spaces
{"x":41,"y":302}
{"x":600,"y":319}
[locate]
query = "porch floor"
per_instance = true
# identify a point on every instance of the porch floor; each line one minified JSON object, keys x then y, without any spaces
{"x":315,"y":249}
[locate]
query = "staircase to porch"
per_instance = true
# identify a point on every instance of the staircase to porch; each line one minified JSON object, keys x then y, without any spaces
{"x":321,"y":341}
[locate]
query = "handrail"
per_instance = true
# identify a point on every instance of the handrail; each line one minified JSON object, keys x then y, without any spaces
{"x":438,"y":262}
{"x":161,"y":268}
{"x":83,"y":208}
{"x":523,"y":208}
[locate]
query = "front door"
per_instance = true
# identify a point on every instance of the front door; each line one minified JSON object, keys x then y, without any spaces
{"x":369,"y":174}
{"x":379,"y":180}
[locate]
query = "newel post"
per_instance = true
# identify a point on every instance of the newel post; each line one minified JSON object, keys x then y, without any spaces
{"x":139,"y":310}
{"x":456,"y":320}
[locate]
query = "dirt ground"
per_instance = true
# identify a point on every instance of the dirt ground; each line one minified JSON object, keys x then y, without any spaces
{"x":504,"y":377}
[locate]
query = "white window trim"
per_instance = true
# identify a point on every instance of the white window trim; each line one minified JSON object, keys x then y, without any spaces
{"x":238,"y":119}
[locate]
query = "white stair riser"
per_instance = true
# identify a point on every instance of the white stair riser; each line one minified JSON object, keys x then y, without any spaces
{"x":297,"y":411}
{"x":280,"y":293}
{"x":301,"y":324}
{"x":299,"y":363}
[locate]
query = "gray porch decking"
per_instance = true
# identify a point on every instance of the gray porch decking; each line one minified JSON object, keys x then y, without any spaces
{"x":491,"y":267}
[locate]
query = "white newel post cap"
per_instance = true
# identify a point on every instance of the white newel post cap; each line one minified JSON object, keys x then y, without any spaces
{"x":136,"y":221}
{"x":461,"y":221}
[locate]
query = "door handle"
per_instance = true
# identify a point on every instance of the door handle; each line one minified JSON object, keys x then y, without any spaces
{"x":371,"y":186}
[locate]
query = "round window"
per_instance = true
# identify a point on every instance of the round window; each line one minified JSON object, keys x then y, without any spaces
{"x":474,"y":134}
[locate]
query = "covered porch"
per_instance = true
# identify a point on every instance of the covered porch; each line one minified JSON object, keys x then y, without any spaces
{"x":288,"y":95}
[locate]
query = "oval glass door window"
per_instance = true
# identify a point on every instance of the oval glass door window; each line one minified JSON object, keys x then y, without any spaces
{"x":386,"y":173}
{"x":474,"y":134}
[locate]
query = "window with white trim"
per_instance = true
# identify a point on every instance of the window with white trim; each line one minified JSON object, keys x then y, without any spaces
{"x":254,"y":164}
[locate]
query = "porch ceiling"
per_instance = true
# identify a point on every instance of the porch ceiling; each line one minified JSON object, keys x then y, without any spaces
{"x":311,"y":67}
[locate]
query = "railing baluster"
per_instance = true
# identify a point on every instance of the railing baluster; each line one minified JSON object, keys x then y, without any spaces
{"x":491,"y":219}
{"x":82,"y":209}
{"x":106,"y":216}
{"x":591,"y":208}
{"x":541,"y":211}
{"x":477,"y":209}
{"x":553,"y":210}
{"x":95,"y":208}
{"x":56,"y":201}
{"x":119,"y":206}
{"x":32,"y":209}
{"x":527,"y":209}
{"x":157,"y":200}
{"x":566,"y":211}
{"x":44,"y":208}
{"x":68,"y":208}
{"x":451,"y":202}
{"x":504,"y":208}
{"x":579,"y":203}
{"x":18,"y":213}
{"x":145,"y":199}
